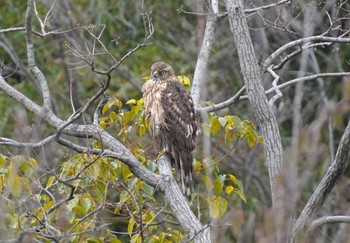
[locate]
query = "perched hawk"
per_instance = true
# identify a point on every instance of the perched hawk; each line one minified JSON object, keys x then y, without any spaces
{"x":169,"y":109}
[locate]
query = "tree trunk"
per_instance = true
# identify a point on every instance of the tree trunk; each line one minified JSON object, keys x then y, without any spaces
{"x":265,"y":117}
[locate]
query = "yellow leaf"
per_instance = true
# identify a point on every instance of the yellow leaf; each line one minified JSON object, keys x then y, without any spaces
{"x":126,"y":172}
{"x":215,"y":125}
{"x":33,"y":162}
{"x":233,"y":179}
{"x":2,"y":160}
{"x":218,"y":185}
{"x":105,"y":108}
{"x":229,"y":189}
{"x":142,"y":130}
{"x":112,"y":115}
{"x":184,"y":80}
{"x":14,"y":182}
{"x":50,"y":181}
{"x":131,"y":226}
{"x":218,"y":206}
{"x":251,"y":137}
{"x":146,"y":78}
{"x":48,"y":205}
{"x":118,"y":103}
{"x":2,"y":179}
{"x":136,"y":238}
{"x":131,"y":102}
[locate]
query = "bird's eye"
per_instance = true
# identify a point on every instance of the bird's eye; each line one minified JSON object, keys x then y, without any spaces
{"x":162,"y":72}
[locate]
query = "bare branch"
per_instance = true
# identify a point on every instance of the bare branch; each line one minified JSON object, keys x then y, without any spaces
{"x":223,"y":104}
{"x":325,"y":40}
{"x":13,"y":143}
{"x":275,"y":87}
{"x":306,"y":78}
{"x":13,"y":29}
{"x":325,"y":220}
{"x":268,"y":6}
{"x":31,"y":58}
{"x":333,"y":174}
{"x":200,"y":72}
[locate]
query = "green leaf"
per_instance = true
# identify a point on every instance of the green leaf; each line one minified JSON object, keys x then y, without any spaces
{"x":112,"y":116}
{"x":236,"y":121}
{"x":124,"y":195}
{"x":14,"y":182}
{"x":131,"y":226}
{"x":87,"y":203}
{"x":222,"y":121}
{"x":207,"y":182}
{"x":105,"y":108}
{"x":218,"y":207}
{"x":110,"y":102}
{"x":142,"y":130}
{"x":2,"y":160}
{"x":152,"y":166}
{"x":218,"y":186}
{"x":240,"y":191}
{"x":148,"y":189}
{"x":128,"y":116}
{"x":136,"y":238}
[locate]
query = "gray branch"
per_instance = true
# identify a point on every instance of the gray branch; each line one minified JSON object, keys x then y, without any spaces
{"x":333,"y":174}
{"x":256,"y":94}
{"x":326,"y":39}
{"x":31,"y":58}
{"x":200,"y":72}
{"x":322,"y":221}
{"x":195,"y":230}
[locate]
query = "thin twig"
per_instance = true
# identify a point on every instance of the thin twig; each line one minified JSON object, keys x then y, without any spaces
{"x":275,"y":87}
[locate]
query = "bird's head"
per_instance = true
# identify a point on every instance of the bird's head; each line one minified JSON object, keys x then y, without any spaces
{"x":161,"y":71}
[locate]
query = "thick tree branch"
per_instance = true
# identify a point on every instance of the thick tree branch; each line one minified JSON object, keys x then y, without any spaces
{"x":252,"y":78}
{"x":333,"y":174}
{"x":200,"y":73}
{"x":193,"y":227}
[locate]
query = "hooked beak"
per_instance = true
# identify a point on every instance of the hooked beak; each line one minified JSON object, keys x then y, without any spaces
{"x":154,"y":74}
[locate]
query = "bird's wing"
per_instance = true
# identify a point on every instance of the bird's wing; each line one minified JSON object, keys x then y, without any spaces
{"x":179,"y":118}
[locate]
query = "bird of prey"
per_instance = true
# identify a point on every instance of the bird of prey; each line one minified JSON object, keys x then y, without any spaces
{"x":170,"y":111}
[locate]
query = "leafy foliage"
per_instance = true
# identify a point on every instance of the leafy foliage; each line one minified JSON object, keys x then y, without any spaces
{"x":87,"y":193}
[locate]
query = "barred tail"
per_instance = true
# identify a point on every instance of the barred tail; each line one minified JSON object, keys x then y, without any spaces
{"x":183,"y":165}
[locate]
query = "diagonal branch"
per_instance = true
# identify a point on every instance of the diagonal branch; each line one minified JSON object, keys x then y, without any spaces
{"x":179,"y":205}
{"x":333,"y":174}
